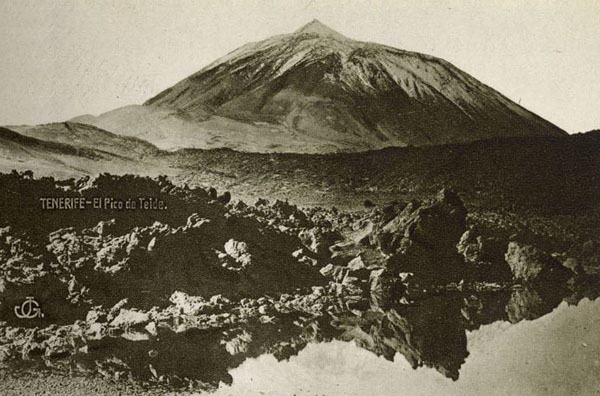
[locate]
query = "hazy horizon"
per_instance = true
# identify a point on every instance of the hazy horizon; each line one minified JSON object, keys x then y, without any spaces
{"x":67,"y":58}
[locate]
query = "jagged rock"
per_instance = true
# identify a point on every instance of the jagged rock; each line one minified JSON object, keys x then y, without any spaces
{"x":529,"y":264}
{"x":339,"y":273}
{"x":219,"y":301}
{"x":20,"y":261}
{"x":308,"y":261}
{"x":438,"y":226}
{"x":70,"y":249}
{"x":392,"y":210}
{"x":319,"y":240}
{"x":318,"y":291}
{"x":328,"y":270}
{"x":471,"y":246}
{"x":151,"y":329}
{"x":476,"y":248}
{"x":104,"y":228}
{"x":376,"y":284}
{"x":95,"y":331}
{"x":354,"y":285}
{"x":114,"y":311}
{"x":6,"y":353}
{"x":196,"y":221}
{"x":238,"y":344}
{"x":358,"y":269}
{"x":385,"y":287}
{"x":189,"y":305}
{"x":184,"y":257}
{"x":356,"y":264}
{"x":422,"y":239}
{"x":115,"y":253}
{"x":130,"y":318}
{"x":151,"y":244}
{"x":57,"y":346}
{"x":285,"y":208}
{"x":363,"y":232}
{"x":239,"y":252}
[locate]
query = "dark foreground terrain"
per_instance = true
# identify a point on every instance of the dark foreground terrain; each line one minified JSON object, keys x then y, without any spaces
{"x":174,"y":298}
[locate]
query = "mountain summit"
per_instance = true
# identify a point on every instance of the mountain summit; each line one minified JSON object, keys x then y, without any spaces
{"x":316,"y":27}
{"x":315,"y":90}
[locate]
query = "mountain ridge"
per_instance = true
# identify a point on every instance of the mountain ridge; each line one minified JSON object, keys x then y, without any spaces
{"x":315,"y":90}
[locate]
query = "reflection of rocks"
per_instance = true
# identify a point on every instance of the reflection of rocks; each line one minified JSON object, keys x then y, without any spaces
{"x":216,"y":334}
{"x":528,"y":303}
{"x":591,"y":257}
{"x":588,"y":260}
{"x":480,"y":309}
{"x":427,"y":335}
{"x":193,"y":342}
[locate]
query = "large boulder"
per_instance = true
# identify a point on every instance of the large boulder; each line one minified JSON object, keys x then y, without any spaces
{"x":530,"y":264}
{"x":422,"y":239}
{"x":437,"y":226}
{"x":239,"y":252}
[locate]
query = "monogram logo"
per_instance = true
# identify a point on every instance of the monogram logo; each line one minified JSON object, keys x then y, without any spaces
{"x":30,"y":309}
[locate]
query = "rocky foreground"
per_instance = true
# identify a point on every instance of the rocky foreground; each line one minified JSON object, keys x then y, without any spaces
{"x":173,"y":298}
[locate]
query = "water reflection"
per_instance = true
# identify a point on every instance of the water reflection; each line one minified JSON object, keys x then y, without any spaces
{"x":557,"y":354}
{"x":433,"y":332}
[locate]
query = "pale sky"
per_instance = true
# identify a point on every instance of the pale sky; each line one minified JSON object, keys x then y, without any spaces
{"x":61,"y":59}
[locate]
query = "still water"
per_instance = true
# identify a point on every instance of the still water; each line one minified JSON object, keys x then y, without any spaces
{"x":514,"y":342}
{"x":556,"y":354}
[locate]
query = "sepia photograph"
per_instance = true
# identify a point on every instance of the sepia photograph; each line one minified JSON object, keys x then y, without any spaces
{"x":300,"y":197}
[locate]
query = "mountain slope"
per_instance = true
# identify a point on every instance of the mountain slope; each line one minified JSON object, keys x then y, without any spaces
{"x":89,"y":137}
{"x":52,"y":155}
{"x":169,"y":130}
{"x":315,"y":90}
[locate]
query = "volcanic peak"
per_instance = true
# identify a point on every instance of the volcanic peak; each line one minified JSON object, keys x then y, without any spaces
{"x":316,"y":27}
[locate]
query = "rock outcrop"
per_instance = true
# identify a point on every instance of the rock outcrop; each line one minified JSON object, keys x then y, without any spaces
{"x":530,"y":265}
{"x":422,"y":238}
